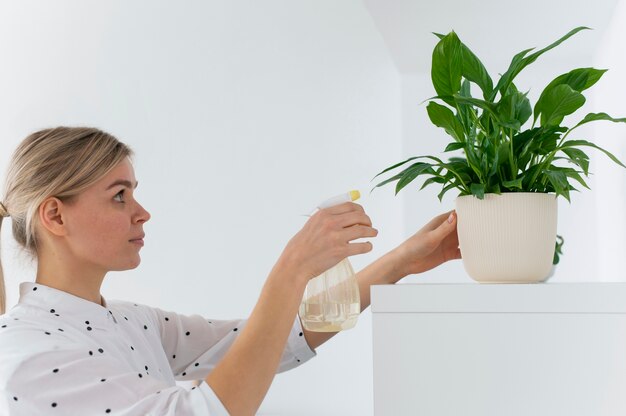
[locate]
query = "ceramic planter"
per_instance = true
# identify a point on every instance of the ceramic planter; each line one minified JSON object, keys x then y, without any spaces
{"x":507,"y":238}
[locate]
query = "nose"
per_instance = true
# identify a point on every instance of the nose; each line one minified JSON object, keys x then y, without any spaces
{"x":142,"y":214}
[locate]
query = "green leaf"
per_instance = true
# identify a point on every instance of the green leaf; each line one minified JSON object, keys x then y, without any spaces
{"x":519,"y":62}
{"x":514,"y":68}
{"x":525,"y":145}
{"x":458,"y":169}
{"x":514,"y":184}
{"x":434,"y":179}
{"x":494,"y":189}
{"x":395,"y":166}
{"x":559,"y":182}
{"x":578,"y":79}
{"x":457,"y":173}
{"x":558,"y":249}
{"x":446,"y":189}
{"x":491,"y":108}
{"x":454,"y":146}
{"x":528,"y":176}
{"x":386,"y":181}
{"x":576,"y":143}
{"x":599,"y":116}
{"x":466,"y":87}
{"x":447,"y":67}
{"x":522,"y":140}
{"x":442,"y":116}
{"x":474,"y":71}
{"x":570,"y":173}
{"x":545,"y":144}
{"x":574,"y":174}
{"x":400,"y":174}
{"x":500,"y":156}
{"x":532,"y":58}
{"x":478,"y":190}
{"x":464,"y":110}
{"x":413,"y":172}
{"x":503,"y":154}
{"x":471,"y":163}
{"x":408,"y":160}
{"x":579,"y":158}
{"x":457,"y":160}
{"x":559,"y":102}
{"x":484,"y":163}
{"x":514,"y":110}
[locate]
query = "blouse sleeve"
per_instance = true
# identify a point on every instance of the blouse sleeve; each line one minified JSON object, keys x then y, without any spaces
{"x":194,"y":344}
{"x":64,"y":379}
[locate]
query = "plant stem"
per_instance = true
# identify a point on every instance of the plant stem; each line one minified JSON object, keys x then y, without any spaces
{"x":511,"y":161}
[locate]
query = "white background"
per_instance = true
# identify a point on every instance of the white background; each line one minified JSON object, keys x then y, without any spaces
{"x":245,"y":114}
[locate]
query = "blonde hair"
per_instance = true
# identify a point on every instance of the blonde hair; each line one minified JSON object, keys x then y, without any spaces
{"x":60,"y":162}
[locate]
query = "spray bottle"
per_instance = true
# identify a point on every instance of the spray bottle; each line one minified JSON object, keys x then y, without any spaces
{"x":331,"y":301}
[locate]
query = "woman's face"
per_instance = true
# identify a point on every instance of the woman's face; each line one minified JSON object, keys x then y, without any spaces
{"x":104,"y":224}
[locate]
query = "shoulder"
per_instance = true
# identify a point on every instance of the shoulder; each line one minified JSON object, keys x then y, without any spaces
{"x":23,"y":329}
{"x":129,"y":307}
{"x":27,"y":330}
{"x":23,"y":340}
{"x":132,"y":310}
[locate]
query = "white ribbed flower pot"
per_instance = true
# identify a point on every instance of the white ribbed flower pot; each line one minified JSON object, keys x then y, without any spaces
{"x":507,"y":238}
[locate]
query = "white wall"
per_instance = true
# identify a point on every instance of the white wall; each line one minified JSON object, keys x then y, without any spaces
{"x":243,"y":116}
{"x":610,"y":178}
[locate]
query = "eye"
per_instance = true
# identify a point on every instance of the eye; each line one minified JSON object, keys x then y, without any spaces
{"x":119,"y":194}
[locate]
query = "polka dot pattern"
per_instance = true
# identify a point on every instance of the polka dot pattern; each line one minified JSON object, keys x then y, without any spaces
{"x":102,"y":350}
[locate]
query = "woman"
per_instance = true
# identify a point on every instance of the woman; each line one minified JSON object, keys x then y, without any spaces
{"x":65,"y":349}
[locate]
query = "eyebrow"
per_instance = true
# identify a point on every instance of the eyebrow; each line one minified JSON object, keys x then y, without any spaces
{"x":122,"y":182}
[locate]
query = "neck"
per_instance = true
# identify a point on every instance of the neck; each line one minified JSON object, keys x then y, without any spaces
{"x":67,"y":285}
{"x":74,"y":278}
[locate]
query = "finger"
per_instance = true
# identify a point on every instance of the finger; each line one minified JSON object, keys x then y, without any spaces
{"x":436,"y":222}
{"x":445,"y":227}
{"x":343,"y":208}
{"x":359,"y":248}
{"x":359,"y":231}
{"x":354,"y":218}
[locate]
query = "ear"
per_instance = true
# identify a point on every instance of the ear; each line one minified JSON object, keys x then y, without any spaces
{"x":51,"y":216}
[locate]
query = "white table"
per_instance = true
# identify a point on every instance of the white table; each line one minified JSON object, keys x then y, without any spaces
{"x":499,"y":350}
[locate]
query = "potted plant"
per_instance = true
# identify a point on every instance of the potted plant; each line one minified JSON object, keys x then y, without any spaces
{"x":516,"y":159}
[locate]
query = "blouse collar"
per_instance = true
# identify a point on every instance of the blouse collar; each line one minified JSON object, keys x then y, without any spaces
{"x":63,"y":304}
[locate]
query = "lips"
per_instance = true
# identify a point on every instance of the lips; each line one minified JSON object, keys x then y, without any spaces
{"x":140,"y":237}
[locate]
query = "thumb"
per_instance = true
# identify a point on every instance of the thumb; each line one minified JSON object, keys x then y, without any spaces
{"x":446,"y":227}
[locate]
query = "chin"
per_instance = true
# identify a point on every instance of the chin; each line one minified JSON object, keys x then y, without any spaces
{"x":128,"y":266}
{"x":135,"y":264}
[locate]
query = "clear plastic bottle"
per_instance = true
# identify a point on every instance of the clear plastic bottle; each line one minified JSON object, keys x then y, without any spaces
{"x":332,"y":301}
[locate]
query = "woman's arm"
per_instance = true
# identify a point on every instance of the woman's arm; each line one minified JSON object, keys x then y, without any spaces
{"x":241,"y":379}
{"x":434,"y":244}
{"x":244,"y":375}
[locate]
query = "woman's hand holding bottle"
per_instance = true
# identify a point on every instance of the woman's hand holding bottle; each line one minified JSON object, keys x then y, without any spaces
{"x":325,"y":239}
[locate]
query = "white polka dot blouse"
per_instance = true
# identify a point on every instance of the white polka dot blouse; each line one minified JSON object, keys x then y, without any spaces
{"x":64,"y":355}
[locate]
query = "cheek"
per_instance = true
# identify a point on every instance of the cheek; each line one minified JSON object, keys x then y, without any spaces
{"x":103,"y":232}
